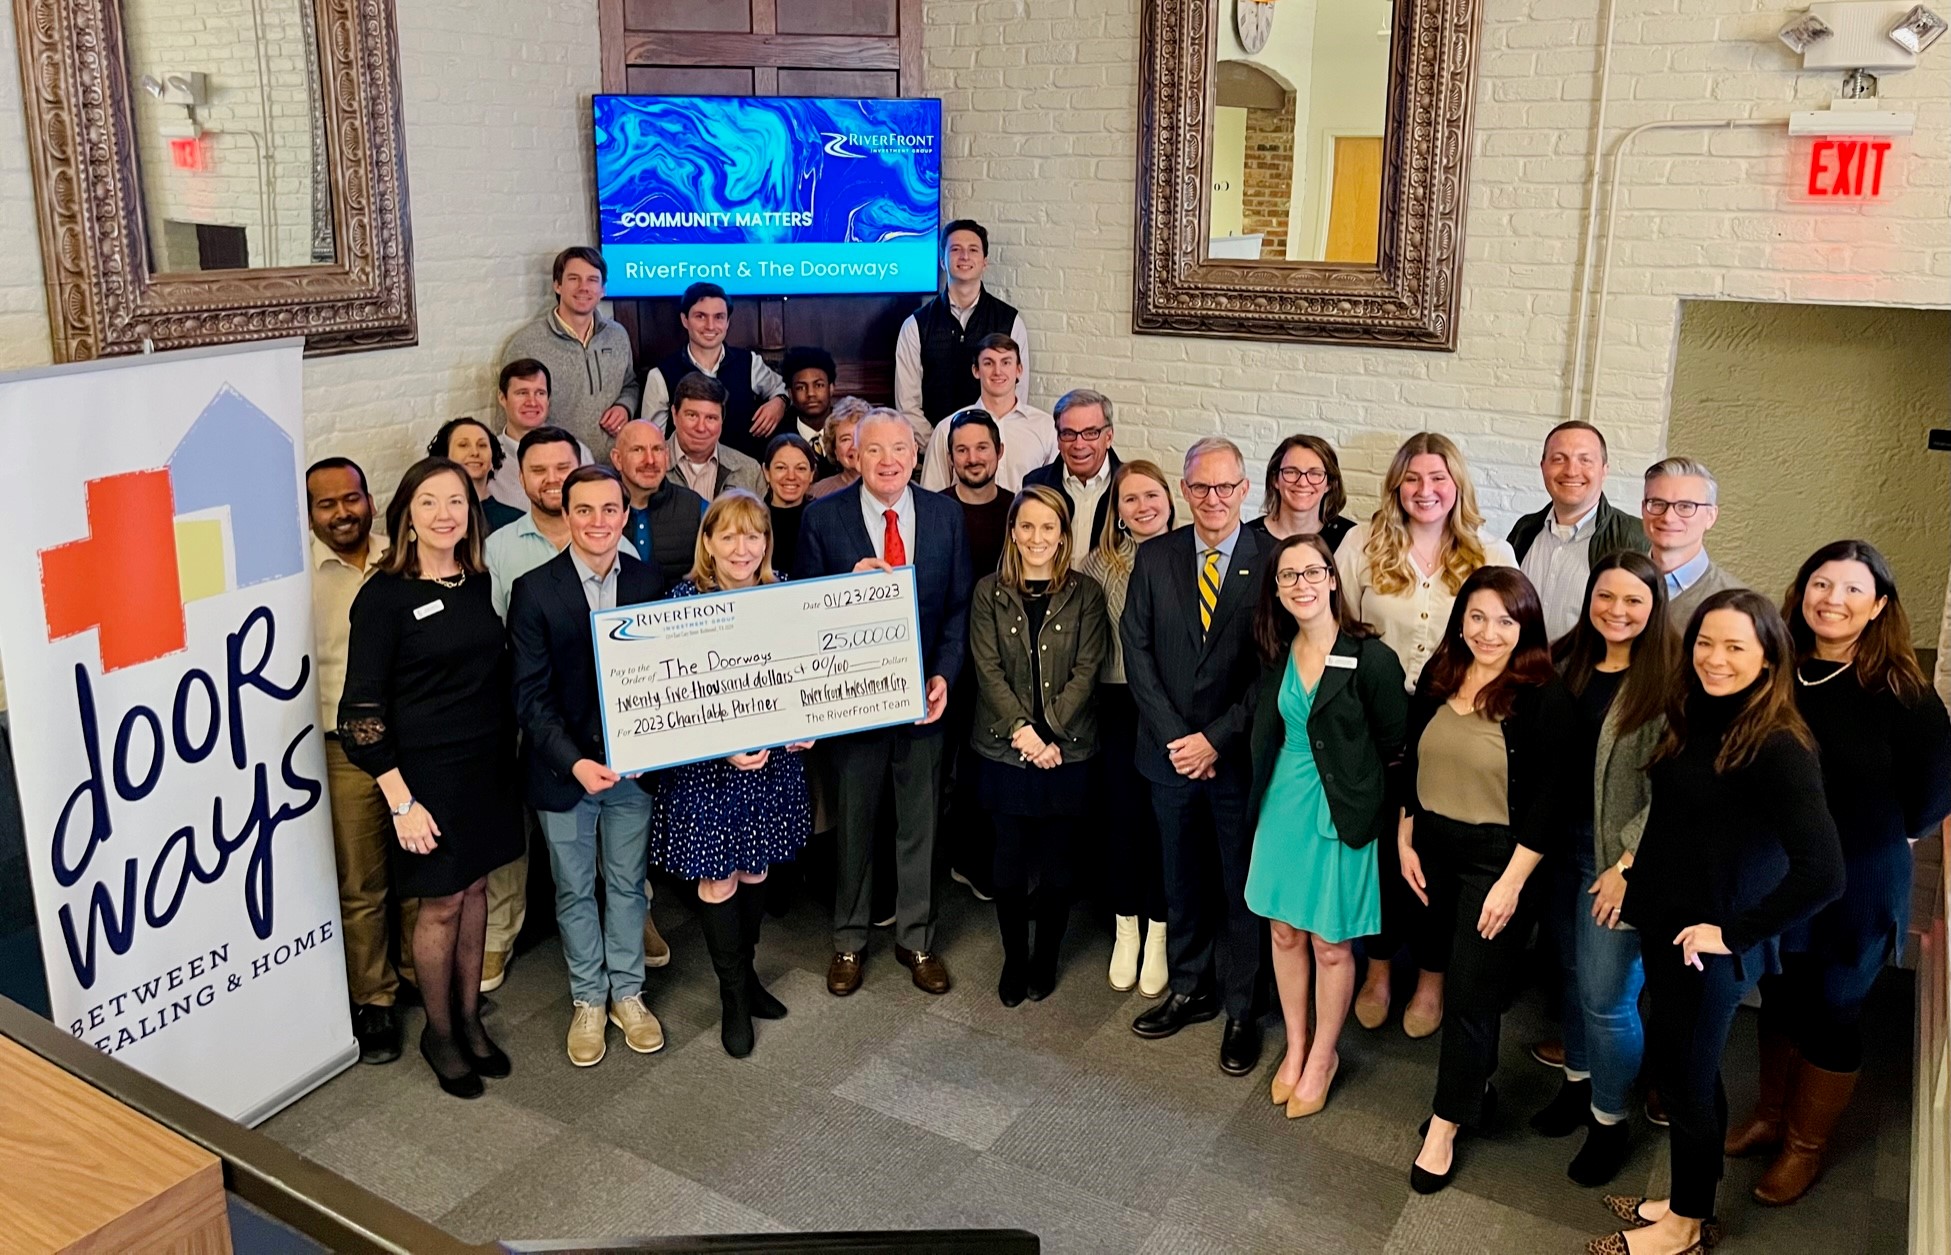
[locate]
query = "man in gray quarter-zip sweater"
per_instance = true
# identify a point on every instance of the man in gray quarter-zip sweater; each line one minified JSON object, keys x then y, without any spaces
{"x":594,"y":389}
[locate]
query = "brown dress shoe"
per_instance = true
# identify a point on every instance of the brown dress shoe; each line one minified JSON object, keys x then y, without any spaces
{"x":1550,"y":1052}
{"x":930,"y":976}
{"x":843,"y":974}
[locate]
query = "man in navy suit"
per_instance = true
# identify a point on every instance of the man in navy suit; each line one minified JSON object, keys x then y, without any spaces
{"x":570,"y":786}
{"x":882,"y":522}
{"x":1191,"y":662}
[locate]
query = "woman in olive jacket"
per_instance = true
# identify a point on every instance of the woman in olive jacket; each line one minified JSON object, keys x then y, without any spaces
{"x":1038,"y":633}
{"x":1328,"y":719}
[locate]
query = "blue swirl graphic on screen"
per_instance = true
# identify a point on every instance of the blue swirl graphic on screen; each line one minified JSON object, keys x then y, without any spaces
{"x":767,"y":171}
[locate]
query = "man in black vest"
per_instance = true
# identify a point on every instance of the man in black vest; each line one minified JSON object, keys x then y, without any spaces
{"x":755,"y":396}
{"x":932,"y":356}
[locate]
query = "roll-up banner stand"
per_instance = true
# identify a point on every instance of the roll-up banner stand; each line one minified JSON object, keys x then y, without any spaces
{"x":156,"y":639}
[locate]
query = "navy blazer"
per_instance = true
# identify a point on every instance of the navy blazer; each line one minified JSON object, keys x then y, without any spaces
{"x":1052,"y":476}
{"x":555,"y":672}
{"x":1182,"y":681}
{"x":833,"y":538}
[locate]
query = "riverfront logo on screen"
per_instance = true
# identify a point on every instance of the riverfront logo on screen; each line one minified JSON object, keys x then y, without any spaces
{"x":771,"y":196}
{"x":156,"y":537}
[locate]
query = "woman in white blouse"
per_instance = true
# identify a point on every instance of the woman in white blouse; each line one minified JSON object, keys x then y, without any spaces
{"x":1400,"y":572}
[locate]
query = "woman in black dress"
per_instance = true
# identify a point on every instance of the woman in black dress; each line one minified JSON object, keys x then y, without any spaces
{"x":1038,"y":634}
{"x":1886,"y":769}
{"x":789,"y":463}
{"x":1739,"y":846}
{"x":426,"y":711}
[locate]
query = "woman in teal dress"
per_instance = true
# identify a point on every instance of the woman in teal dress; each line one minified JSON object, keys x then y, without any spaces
{"x":1327,"y":723}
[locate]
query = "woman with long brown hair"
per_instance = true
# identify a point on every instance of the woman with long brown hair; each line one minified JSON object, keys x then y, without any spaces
{"x":427,"y":712}
{"x":1885,"y":746}
{"x":1401,"y":572}
{"x":1141,"y":509}
{"x":1304,"y":493}
{"x":1037,"y":635}
{"x":1481,"y":782}
{"x":1617,"y":664}
{"x":1739,"y":846}
{"x":1327,"y":721}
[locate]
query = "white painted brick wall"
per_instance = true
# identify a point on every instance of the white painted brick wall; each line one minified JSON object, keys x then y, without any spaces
{"x":1042,"y":109}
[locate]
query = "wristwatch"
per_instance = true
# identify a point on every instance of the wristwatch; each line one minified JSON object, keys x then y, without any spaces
{"x":399,"y":812}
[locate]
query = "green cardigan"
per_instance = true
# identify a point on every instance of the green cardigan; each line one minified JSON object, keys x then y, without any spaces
{"x":1356,"y":724}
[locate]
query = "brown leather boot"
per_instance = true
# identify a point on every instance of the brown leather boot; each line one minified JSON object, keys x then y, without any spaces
{"x":1763,"y":1130}
{"x":1816,"y":1102}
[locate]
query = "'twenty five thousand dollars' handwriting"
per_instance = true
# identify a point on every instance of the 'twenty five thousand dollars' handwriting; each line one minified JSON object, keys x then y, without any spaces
{"x":704,"y":677}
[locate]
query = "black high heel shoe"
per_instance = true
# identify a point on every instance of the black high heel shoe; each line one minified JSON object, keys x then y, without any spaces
{"x":1421,"y":1179}
{"x":466,"y":1084}
{"x":493,"y":1063}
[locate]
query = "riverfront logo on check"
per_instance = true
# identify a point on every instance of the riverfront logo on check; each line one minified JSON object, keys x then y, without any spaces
{"x":223,"y":513}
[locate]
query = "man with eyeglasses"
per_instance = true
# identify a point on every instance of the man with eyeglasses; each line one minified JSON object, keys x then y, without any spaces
{"x":1191,"y":663}
{"x":1556,"y":546}
{"x":1678,"y":509}
{"x":1084,"y":466}
{"x":1029,"y":435}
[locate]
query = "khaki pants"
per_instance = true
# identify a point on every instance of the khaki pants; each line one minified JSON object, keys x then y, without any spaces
{"x":508,"y":896}
{"x":362,"y":832}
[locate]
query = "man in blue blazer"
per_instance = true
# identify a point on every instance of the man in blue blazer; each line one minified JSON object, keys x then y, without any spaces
{"x":1191,"y":662}
{"x":879,"y":523}
{"x":569,"y":784}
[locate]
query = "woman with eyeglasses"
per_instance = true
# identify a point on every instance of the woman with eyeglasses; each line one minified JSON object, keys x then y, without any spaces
{"x":1304,"y":494}
{"x":1400,"y":572}
{"x":1483,"y":782}
{"x":1327,"y":721}
{"x":1739,"y":846}
{"x":1618,"y":665}
{"x":1141,"y":509}
{"x":1885,"y":746}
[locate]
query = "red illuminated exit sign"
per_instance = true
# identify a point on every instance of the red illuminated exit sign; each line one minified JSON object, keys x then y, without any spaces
{"x":1848,"y":169}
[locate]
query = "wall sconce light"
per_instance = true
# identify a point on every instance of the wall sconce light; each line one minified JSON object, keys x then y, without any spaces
{"x":1803,"y":31}
{"x":1874,"y":36}
{"x":1918,"y":30}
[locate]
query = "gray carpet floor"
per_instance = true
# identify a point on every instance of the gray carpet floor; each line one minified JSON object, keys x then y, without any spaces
{"x":892,"y":1109}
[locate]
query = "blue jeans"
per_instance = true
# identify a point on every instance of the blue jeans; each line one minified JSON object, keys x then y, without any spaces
{"x":1568,"y":902}
{"x":1609,"y":979}
{"x":606,"y":957}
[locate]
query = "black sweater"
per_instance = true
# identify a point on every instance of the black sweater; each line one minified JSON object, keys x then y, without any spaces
{"x":1753,"y":850}
{"x":1886,"y":765}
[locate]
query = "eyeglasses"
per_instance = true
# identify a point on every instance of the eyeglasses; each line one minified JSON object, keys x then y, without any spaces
{"x":1287,"y":577}
{"x":1199,"y":492}
{"x":1656,"y":506}
{"x":1298,"y":475}
{"x":1089,"y":435}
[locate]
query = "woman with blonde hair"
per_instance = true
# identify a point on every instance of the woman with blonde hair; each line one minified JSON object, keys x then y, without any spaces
{"x":1400,"y":572}
{"x":1038,"y":635}
{"x":724,"y":822}
{"x":1141,"y":509}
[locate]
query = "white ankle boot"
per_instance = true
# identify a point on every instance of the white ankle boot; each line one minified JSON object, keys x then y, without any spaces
{"x":1156,"y":976}
{"x":1124,"y":954}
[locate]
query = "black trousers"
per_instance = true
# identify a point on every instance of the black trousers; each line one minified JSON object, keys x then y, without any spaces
{"x":1689,"y":1015}
{"x":1460,"y":864}
{"x":865,"y":764}
{"x":1207,"y":843}
{"x":1133,"y":870}
{"x":1406,"y":922}
{"x":1033,"y":854}
{"x":968,"y":838}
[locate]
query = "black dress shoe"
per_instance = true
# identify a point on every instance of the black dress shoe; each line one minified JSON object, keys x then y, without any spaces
{"x":491,"y":1063}
{"x":1174,"y":1013}
{"x":450,"y":1066}
{"x":1239,"y":1048}
{"x":761,"y":1002}
{"x":378,"y":1032}
{"x":1423,"y":1181}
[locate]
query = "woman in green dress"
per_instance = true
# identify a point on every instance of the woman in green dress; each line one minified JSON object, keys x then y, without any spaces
{"x":1328,"y":721}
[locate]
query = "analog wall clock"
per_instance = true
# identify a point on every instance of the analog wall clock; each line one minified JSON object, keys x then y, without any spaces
{"x":1254,"y":20}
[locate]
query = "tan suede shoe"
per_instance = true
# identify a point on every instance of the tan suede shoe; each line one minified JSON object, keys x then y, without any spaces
{"x":641,"y":1031}
{"x":586,"y":1036}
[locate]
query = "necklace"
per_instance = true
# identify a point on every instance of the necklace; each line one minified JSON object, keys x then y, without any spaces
{"x":1809,"y":684}
{"x":454,"y":581}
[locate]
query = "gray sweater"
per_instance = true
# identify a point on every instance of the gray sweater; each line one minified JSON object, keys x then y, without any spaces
{"x":584,"y":380}
{"x":1713,"y":580}
{"x":1621,"y":792}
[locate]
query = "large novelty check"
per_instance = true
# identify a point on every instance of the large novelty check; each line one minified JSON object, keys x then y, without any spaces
{"x":703,"y":677}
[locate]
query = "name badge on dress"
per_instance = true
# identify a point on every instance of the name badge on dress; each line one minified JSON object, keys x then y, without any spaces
{"x":1341,"y":660}
{"x":431,"y":608}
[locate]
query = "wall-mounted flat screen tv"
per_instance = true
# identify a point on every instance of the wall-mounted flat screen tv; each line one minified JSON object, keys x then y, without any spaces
{"x":769,"y":196}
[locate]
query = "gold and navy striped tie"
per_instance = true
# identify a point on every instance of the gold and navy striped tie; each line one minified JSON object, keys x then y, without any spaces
{"x":1208,"y":589}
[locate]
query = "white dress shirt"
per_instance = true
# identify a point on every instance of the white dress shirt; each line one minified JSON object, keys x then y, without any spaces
{"x":1029,"y":441}
{"x":874,"y":514}
{"x":1411,"y":622}
{"x":1558,"y":563}
{"x":907,"y":363}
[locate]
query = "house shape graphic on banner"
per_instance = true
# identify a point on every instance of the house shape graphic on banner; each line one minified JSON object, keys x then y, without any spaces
{"x":141,"y":562}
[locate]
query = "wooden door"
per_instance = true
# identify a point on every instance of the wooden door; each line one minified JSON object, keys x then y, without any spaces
{"x":772,"y":48}
{"x":1355,"y":199}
